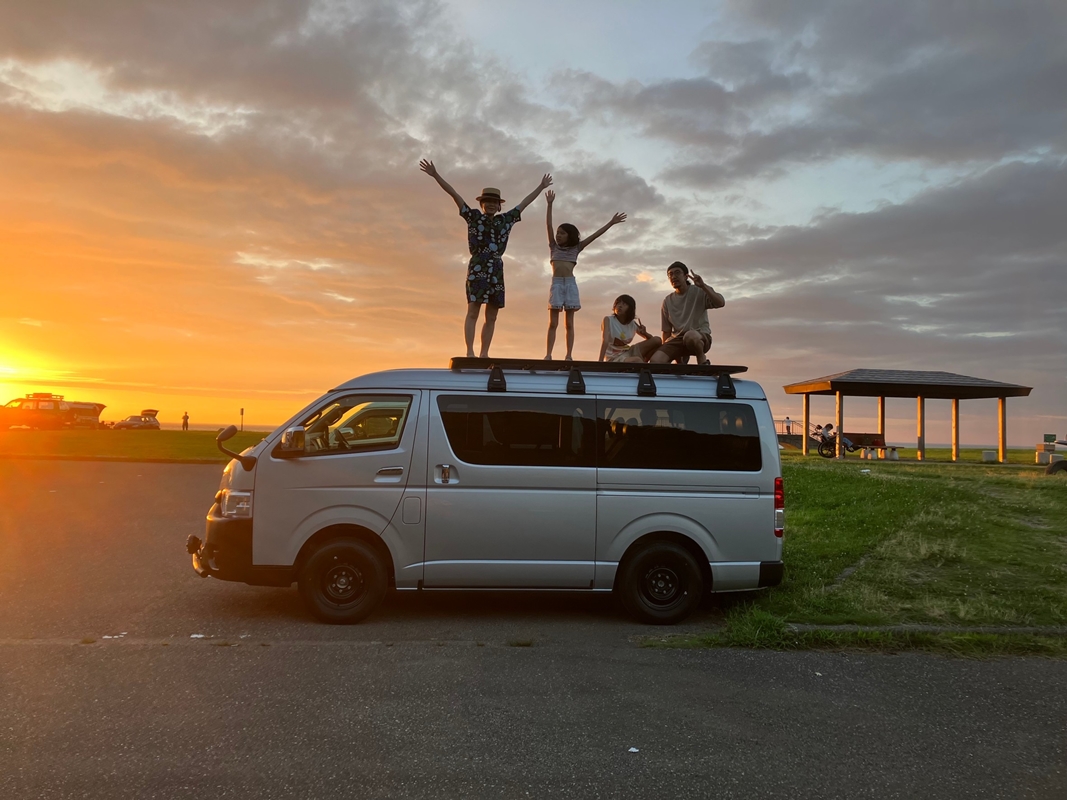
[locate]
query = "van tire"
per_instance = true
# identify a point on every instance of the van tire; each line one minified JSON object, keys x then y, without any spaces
{"x":343,"y":581}
{"x":661,"y":584}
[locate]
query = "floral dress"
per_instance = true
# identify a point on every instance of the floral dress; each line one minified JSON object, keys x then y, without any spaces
{"x":487,"y":238}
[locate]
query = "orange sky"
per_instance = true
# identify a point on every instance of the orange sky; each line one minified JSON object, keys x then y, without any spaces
{"x":208,"y":207}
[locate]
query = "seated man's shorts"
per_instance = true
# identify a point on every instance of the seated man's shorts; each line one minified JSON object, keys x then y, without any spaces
{"x":675,"y":348}
{"x":563,"y":294}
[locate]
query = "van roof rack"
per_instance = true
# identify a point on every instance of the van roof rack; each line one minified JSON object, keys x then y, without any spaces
{"x":576,"y":385}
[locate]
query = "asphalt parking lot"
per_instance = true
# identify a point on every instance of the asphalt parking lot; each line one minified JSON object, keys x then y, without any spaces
{"x":123,"y":674}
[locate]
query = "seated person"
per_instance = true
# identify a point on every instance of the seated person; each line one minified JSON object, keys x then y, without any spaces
{"x":618,"y":331}
{"x":684,"y":317}
{"x":829,"y":434}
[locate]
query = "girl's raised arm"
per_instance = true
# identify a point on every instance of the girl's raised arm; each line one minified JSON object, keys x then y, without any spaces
{"x":427,"y":166}
{"x":544,"y":184}
{"x":550,"y":197}
{"x":615,"y":220}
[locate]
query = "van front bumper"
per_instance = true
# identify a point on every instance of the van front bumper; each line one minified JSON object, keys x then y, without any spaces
{"x":226,"y":553}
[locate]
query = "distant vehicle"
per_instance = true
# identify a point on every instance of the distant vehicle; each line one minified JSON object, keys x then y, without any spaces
{"x":47,"y":411}
{"x":145,"y":421}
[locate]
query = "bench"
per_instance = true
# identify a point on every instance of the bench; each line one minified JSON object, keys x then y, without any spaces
{"x":875,"y":440}
{"x":857,"y":441}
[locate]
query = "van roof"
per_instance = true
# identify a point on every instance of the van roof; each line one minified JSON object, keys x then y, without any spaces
{"x":551,"y":379}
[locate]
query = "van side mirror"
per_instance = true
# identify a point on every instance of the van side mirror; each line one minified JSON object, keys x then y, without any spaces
{"x":292,"y":442}
{"x":248,"y":462}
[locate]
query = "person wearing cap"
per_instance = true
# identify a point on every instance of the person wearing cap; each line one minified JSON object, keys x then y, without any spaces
{"x":487,"y":238}
{"x":684,"y":317}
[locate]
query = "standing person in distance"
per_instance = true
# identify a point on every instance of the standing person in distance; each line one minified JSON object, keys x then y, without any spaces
{"x":564,"y":245}
{"x":487,"y":238}
{"x":684,"y":317}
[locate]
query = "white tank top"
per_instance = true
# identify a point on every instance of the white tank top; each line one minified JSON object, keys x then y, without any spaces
{"x":616,"y":330}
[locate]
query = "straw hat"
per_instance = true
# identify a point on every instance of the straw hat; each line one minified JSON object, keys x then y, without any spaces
{"x":489,"y":193}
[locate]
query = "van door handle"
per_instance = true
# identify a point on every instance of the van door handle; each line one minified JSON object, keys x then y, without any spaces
{"x":446,"y":472}
{"x":384,"y":471}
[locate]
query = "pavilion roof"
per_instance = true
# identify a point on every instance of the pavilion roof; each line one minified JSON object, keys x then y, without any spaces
{"x":906,"y":383}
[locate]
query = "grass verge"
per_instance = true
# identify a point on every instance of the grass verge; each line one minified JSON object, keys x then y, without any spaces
{"x":760,"y":630}
{"x":953,"y":546}
{"x":192,"y":446}
{"x":1022,"y":456}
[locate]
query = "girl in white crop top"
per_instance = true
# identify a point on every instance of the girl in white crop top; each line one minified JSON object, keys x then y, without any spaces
{"x":564,"y":245}
{"x":618,"y":331}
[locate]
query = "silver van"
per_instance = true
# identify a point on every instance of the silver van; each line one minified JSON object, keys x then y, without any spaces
{"x":658,"y":482}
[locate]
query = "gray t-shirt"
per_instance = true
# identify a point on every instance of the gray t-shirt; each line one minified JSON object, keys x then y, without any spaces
{"x":686,"y":312}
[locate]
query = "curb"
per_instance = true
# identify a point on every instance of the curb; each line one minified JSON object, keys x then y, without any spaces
{"x":1035,"y":630}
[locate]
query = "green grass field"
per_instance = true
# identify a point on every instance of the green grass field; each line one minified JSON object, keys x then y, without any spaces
{"x":930,"y":544}
{"x":192,"y":446}
{"x":934,"y":454}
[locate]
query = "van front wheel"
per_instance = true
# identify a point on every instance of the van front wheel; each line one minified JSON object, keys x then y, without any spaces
{"x":661,"y":584}
{"x":343,"y":581}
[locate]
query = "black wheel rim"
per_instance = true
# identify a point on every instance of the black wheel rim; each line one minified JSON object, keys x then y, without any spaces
{"x":662,"y":586}
{"x":343,"y":584}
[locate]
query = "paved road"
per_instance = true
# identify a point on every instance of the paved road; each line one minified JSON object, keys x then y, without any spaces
{"x":435,"y":696}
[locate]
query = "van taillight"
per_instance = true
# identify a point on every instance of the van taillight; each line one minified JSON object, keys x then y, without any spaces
{"x":779,"y":508}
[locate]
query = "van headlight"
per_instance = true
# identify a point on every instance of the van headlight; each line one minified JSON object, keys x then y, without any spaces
{"x":235,"y":504}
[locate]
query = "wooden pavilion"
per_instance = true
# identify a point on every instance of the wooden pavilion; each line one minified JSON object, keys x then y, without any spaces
{"x":883,"y":383}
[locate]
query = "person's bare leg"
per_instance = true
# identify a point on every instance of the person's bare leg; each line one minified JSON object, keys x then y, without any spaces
{"x":553,"y":323}
{"x":647,"y":348}
{"x":569,"y":322}
{"x":469,"y":323}
{"x":660,"y":357}
{"x":694,"y":343}
{"x":488,"y":327}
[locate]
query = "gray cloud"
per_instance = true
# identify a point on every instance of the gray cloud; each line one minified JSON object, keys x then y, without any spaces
{"x":821,"y":80}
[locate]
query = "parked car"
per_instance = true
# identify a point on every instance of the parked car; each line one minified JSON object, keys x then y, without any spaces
{"x":657,"y":482}
{"x":47,"y":411}
{"x":145,"y":421}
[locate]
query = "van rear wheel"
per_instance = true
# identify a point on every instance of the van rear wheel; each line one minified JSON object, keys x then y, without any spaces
{"x":343,"y":581}
{"x":661,"y":584}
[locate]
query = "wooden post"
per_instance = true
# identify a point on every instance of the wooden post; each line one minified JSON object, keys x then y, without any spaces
{"x":807,"y":425}
{"x":881,"y":425}
{"x":955,"y":429}
{"x":840,"y":438}
{"x":920,"y":447}
{"x":1002,"y":445}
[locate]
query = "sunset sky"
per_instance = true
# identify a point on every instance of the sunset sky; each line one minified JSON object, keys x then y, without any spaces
{"x":210,"y":205}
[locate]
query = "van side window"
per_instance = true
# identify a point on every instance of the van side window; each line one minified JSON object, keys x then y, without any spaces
{"x":520,"y":431}
{"x":661,"y":434}
{"x":357,"y":423}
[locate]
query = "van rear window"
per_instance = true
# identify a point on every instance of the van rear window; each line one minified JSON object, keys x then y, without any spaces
{"x":663,"y":434}
{"x":520,"y":431}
